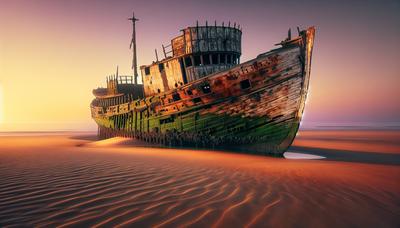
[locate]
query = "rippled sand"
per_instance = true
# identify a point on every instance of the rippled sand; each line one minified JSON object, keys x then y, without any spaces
{"x":69,"y":180}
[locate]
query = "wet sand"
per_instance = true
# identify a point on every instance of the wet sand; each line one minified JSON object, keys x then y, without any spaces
{"x":67,"y":179}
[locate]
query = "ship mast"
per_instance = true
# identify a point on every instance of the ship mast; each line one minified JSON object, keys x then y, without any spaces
{"x":133,"y":42}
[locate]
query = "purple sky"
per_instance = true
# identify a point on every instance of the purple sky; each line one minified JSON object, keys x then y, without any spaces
{"x":355,"y":71}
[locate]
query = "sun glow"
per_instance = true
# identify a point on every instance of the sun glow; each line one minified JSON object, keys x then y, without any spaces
{"x":1,"y":105}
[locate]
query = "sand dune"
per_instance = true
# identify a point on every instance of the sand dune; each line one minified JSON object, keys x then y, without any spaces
{"x":110,"y":142}
{"x":59,"y":183}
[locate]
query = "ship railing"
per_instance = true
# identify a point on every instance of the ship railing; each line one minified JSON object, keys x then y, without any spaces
{"x":125,"y":79}
{"x":167,"y":50}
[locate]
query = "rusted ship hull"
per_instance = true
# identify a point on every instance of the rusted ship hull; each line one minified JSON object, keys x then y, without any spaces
{"x":254,"y":107}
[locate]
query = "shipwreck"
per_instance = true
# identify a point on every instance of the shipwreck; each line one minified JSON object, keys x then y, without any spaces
{"x":201,"y":95}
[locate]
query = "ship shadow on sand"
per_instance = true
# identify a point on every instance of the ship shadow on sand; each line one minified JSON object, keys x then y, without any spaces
{"x":382,"y":158}
{"x":350,"y":156}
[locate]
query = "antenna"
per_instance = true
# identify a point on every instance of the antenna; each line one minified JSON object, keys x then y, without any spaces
{"x":155,"y":50}
{"x":165,"y":54}
{"x":133,"y":42}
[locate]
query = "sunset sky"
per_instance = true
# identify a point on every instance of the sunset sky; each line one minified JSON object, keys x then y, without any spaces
{"x":53,"y":53}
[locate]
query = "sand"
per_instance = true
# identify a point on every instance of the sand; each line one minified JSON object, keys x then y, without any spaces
{"x":70,"y":180}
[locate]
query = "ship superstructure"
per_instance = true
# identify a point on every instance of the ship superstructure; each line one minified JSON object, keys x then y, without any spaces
{"x":200,"y":51}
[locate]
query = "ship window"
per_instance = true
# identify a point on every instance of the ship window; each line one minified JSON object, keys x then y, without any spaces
{"x":158,"y":90}
{"x":196,"y":100}
{"x":161,"y":67}
{"x":222,"y":58}
{"x":197,"y":60}
{"x":214,"y":58}
{"x":229,"y":59}
{"x":176,"y":96}
{"x":206,"y":88}
{"x":206,"y":59}
{"x":147,"y":70}
{"x":188,"y":61}
{"x":245,"y":84}
{"x":189,"y":92}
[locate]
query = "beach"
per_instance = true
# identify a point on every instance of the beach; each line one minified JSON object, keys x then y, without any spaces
{"x":70,"y":179}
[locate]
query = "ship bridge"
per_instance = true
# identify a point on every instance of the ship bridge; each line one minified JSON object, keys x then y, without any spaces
{"x":119,"y":85}
{"x":199,"y":51}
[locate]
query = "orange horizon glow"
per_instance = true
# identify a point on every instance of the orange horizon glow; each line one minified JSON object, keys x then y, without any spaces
{"x":1,"y":105}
